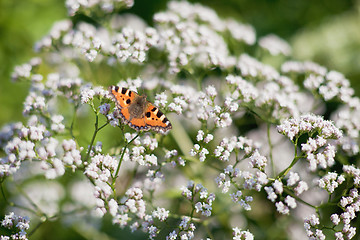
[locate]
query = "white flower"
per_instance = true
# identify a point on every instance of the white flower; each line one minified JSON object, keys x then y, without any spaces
{"x":34,"y":102}
{"x":91,"y":55}
{"x":209,"y":137}
{"x":151,"y":159}
{"x":113,"y":207}
{"x":257,"y":160}
{"x":87,"y":95}
{"x":17,"y":224}
{"x":200,"y":135}
{"x":121,"y":219}
{"x":278,"y":186}
{"x":161,"y":214}
{"x":301,"y":187}
{"x":211,"y":91}
{"x":57,"y":125}
{"x":172,"y":235}
{"x":271,"y":194}
{"x":282,"y":208}
{"x":239,"y":234}
{"x":290,"y":201}
{"x":313,"y":220}
{"x":335,"y":218}
{"x":160,"y":99}
{"x":293,"y":178}
{"x":275,"y":45}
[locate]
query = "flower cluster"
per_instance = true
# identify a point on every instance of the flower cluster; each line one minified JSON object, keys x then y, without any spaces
{"x":132,"y":209}
{"x":275,"y":45}
{"x":189,"y":35}
{"x":142,"y":150}
{"x":279,"y":92}
{"x":242,"y":235}
{"x":35,"y":142}
{"x":26,"y":71}
{"x":331,"y":181}
{"x":276,"y":194}
{"x":332,"y":85}
{"x":186,"y":230}
{"x":319,"y":131}
{"x":133,"y":45}
{"x":97,"y":6}
{"x":349,"y":205}
{"x":17,"y":226}
{"x":204,"y":205}
{"x":232,"y":176}
{"x":132,"y":203}
{"x":310,"y":223}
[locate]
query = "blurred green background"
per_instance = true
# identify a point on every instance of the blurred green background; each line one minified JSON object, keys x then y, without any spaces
{"x":325,"y":31}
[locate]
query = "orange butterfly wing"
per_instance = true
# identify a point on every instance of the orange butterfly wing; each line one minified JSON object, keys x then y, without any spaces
{"x":155,"y":119}
{"x":123,"y":96}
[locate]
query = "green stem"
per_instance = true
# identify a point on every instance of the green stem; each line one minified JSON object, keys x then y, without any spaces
{"x":270,"y":149}
{"x":54,"y":217}
{"x":267,"y":120}
{"x":192,"y":203}
{"x":299,"y":199}
{"x":14,"y":204}
{"x":294,"y":161}
{"x":122,"y":157}
{"x":102,"y":126}
{"x":97,"y":129}
{"x":295,"y":146}
{"x":35,"y":228}
{"x":38,"y":211}
{"x":286,"y":171}
{"x":73,"y":122}
{"x":3,"y":194}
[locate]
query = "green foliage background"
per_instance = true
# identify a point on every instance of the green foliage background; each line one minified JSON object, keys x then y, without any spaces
{"x":325,"y":31}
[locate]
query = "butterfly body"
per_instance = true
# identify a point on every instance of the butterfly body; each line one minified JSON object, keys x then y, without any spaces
{"x":137,"y":112}
{"x":138,"y":107}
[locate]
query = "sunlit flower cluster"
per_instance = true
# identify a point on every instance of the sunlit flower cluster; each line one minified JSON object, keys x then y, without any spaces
{"x":96,"y":6}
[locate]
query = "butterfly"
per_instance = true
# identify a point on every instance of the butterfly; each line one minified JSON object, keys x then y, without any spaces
{"x":137,"y":112}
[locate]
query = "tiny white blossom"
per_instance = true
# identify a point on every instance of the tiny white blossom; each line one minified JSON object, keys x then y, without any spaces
{"x":211,"y":91}
{"x":271,"y":194}
{"x":275,"y":45}
{"x":293,"y":179}
{"x":282,"y":208}
{"x":301,"y":187}
{"x":290,"y":201}
{"x":200,"y":135}
{"x":113,"y":207}
{"x":209,"y":137}
{"x":161,"y":214}
{"x":278,"y":186}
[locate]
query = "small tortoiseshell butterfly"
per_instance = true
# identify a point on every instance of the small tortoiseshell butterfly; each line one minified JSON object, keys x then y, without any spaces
{"x":137,"y":112}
